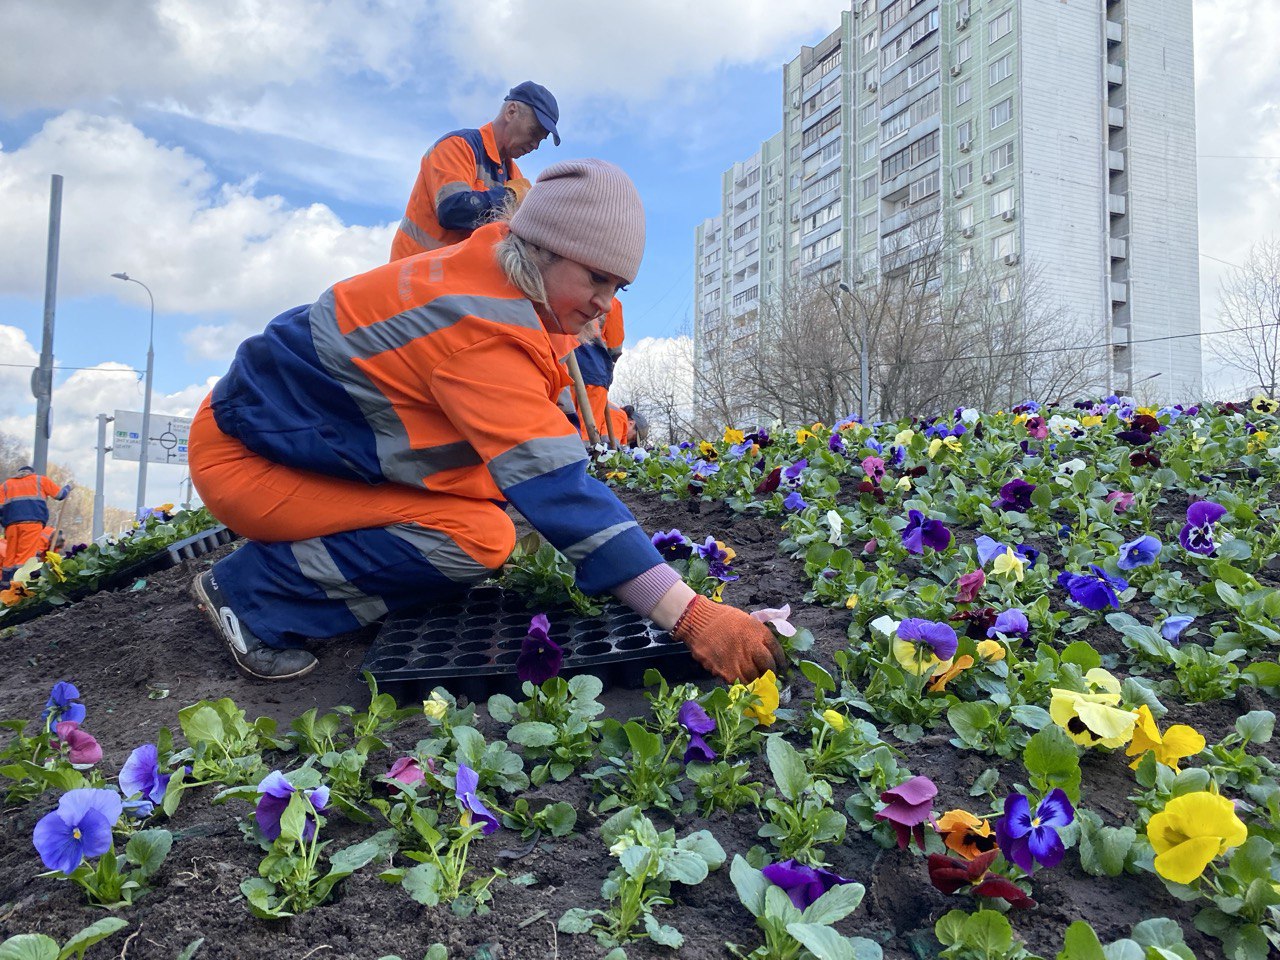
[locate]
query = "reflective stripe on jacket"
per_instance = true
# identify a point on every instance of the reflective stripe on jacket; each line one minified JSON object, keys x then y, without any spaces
{"x":22,"y":499}
{"x":433,"y":372}
{"x":461,"y":183}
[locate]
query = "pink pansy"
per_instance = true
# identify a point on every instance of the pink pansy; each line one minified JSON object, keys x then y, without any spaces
{"x":1037,"y":427}
{"x":907,"y":807}
{"x":969,"y":585}
{"x":407,"y":771}
{"x":778,"y":619}
{"x":873,"y":467}
{"x":1122,"y":500}
{"x":82,"y":749}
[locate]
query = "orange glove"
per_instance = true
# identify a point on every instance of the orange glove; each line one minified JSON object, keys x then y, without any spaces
{"x":519,"y":187}
{"x":727,"y":642}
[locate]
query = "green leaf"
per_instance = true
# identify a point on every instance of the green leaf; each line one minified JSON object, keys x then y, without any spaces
{"x":293,"y":821}
{"x":501,"y":708}
{"x":558,"y":818}
{"x":1105,"y":850}
{"x":706,"y":846}
{"x":683,"y":866}
{"x":147,"y":850}
{"x":1082,"y":654}
{"x":424,"y":883}
{"x":820,"y":678}
{"x":787,"y":767}
{"x":836,"y":904}
{"x":985,"y":783}
{"x":823,"y":942}
{"x":644,"y":745}
{"x":29,"y":946}
{"x":191,"y":949}
{"x":576,"y":920}
{"x":585,"y":686}
{"x":532,"y":734}
{"x":437,"y":951}
{"x":1051,"y":756}
{"x":950,"y":927}
{"x":969,"y":720}
{"x":661,"y":933}
{"x":1081,"y":943}
{"x":90,"y":935}
{"x":202,"y":725}
{"x":1031,"y":717}
{"x":750,"y":883}
{"x":989,"y":932}
{"x":350,"y":859}
{"x":261,"y":893}
{"x":1256,"y":726}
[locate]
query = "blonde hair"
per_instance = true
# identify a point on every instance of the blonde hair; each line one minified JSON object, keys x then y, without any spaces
{"x":522,"y":263}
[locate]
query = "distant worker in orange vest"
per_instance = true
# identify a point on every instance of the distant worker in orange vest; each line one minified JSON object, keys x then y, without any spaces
{"x":25,"y":514}
{"x":467,"y":176}
{"x":596,"y":359}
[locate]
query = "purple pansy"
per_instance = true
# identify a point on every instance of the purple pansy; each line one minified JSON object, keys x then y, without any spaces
{"x":79,"y":828}
{"x":465,"y":790}
{"x":1139,"y":553}
{"x":792,"y":473}
{"x":1094,"y":592}
{"x":793,"y":501}
{"x":141,"y":775}
{"x":921,"y":532}
{"x":1015,"y":496}
{"x":939,"y":637}
{"x":1025,"y":837}
{"x":702,"y":470}
{"x":907,"y":807}
{"x":1196,"y":535}
{"x":62,"y":705}
{"x":835,"y":443}
{"x":874,"y":468}
{"x":696,"y":721}
{"x":803,"y":884}
{"x":672,"y":544}
{"x":874,"y":445}
{"x":988,"y":549}
{"x":540,"y":657}
{"x":1011,"y":622}
{"x":1174,"y":625}
{"x":276,"y":791}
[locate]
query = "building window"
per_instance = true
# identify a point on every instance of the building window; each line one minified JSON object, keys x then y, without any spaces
{"x":869,"y":42}
{"x":1001,"y":201}
{"x":824,"y":126}
{"x":895,"y":126}
{"x":1002,"y":290}
{"x":1002,"y":69}
{"x":895,"y":50}
{"x":964,"y":217}
{"x":908,"y":157}
{"x":867,"y":223}
{"x":964,"y":175}
{"x":869,"y":186}
{"x":924,"y":26}
{"x":964,"y":132}
{"x":1001,"y":157}
{"x":820,"y":186}
{"x":868,"y":151}
{"x":962,"y":8}
{"x":893,"y":14}
{"x":1002,"y":113}
{"x":1000,"y":26}
{"x":832,"y":150}
{"x":1002,"y":246}
{"x":963,"y":92}
{"x":820,"y":219}
{"x":964,"y":260}
{"x":866,"y":116}
{"x":964,"y":50}
{"x":924,"y":68}
{"x":747,"y":296}
{"x":926,"y":186}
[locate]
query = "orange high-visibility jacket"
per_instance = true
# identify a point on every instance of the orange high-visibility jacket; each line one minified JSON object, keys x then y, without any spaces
{"x":435,"y":372}
{"x":460,"y":184}
{"x":22,"y":499}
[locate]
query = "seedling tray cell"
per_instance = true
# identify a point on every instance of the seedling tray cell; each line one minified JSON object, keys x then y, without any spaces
{"x":470,"y":647}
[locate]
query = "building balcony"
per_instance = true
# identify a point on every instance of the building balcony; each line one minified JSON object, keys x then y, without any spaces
{"x":1115,"y":32}
{"x":1115,"y":74}
{"x":1118,"y":248}
{"x":1116,"y":205}
{"x":1115,"y":117}
{"x":1119,"y":291}
{"x":1115,"y":161}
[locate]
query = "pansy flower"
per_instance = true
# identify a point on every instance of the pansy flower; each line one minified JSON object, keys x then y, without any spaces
{"x":465,"y":784}
{"x":63,"y":704}
{"x":969,"y":585}
{"x":1037,"y":427}
{"x":915,"y":635}
{"x":1141,"y":552}
{"x":908,"y":806}
{"x":672,"y":544}
{"x":977,"y":621}
{"x":694,"y":718}
{"x":793,"y":501}
{"x":770,"y":482}
{"x":1026,"y":836}
{"x":779,"y":619}
{"x":765,"y":688}
{"x":408,"y":771}
{"x":1015,"y":496}
{"x":1191,"y":831}
{"x":965,"y":834}
{"x":1120,"y":500}
{"x":792,"y":473}
{"x":874,"y":468}
{"x":140,"y":776}
{"x":921,"y":532}
{"x":950,"y":670}
{"x":1144,"y":458}
{"x":1174,"y":625}
{"x":987,"y":549}
{"x":949,"y":875}
{"x":81,"y":748}
{"x":801,"y":883}
{"x":80,"y":828}
{"x":732,"y":436}
{"x":540,"y":657}
{"x":1010,"y":623}
{"x":1096,"y":591}
{"x":276,"y":791}
{"x":1009,"y":564}
{"x":1174,"y":745}
{"x":1092,"y":718}
{"x":1196,"y":535}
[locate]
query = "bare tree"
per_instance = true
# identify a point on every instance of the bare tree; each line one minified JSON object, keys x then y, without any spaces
{"x":1249,"y":312}
{"x":655,"y":375}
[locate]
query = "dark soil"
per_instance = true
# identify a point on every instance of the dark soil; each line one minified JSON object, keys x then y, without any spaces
{"x":119,"y":647}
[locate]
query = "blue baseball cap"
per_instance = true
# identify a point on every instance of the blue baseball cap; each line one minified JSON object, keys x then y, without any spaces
{"x":543,"y":103}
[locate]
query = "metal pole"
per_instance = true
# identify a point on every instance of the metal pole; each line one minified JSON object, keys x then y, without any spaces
{"x":98,"y":495}
{"x":42,"y":377}
{"x":146,"y":399}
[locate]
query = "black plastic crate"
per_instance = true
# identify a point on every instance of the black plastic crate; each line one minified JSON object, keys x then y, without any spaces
{"x":206,"y":541}
{"x":470,"y":646}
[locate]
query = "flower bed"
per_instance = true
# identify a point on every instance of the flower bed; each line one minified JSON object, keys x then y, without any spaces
{"x":1012,"y":713}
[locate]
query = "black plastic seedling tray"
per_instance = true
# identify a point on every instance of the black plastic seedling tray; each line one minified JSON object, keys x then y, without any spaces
{"x":470,"y":646}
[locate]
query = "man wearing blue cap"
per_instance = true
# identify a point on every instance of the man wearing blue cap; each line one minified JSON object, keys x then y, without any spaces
{"x":467,"y":175}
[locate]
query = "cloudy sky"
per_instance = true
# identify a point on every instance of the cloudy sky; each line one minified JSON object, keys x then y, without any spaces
{"x":239,"y":156}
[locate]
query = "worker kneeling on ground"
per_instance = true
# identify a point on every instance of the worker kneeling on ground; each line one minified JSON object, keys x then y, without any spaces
{"x":366,"y":443}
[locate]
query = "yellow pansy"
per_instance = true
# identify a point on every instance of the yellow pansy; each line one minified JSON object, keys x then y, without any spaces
{"x":1258,"y":441}
{"x":53,"y":561}
{"x":852,"y":602}
{"x":706,"y":450}
{"x":1196,"y":442}
{"x":904,"y":438}
{"x":1019,"y":418}
{"x":991,"y":650}
{"x":1149,"y":411}
{"x":802,"y":435}
{"x":1009,"y":564}
{"x":435,"y":707}
{"x":729,"y":552}
{"x":616,"y":475}
{"x":1093,"y":719}
{"x":954,"y":669}
{"x":734,"y":436}
{"x":1090,"y":421}
{"x":818,"y":426}
{"x":953,"y":444}
{"x":1176,"y":743}
{"x":717,"y":595}
{"x":904,"y":484}
{"x":766,"y":689}
{"x":1263,"y":404}
{"x":835,"y":721}
{"x":905,"y":652}
{"x":1190,"y":831}
{"x":934,"y":446}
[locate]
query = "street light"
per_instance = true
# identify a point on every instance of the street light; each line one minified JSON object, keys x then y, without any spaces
{"x":146,"y":399}
{"x":864,"y":373}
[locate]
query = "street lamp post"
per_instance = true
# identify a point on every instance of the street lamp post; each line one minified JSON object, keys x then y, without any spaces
{"x":864,"y":372}
{"x":146,"y":398}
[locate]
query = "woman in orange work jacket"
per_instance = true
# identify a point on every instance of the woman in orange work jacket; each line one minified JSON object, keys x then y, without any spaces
{"x":366,"y":444}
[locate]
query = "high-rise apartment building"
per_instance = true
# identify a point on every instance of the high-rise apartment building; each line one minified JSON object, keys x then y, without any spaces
{"x":1045,"y":138}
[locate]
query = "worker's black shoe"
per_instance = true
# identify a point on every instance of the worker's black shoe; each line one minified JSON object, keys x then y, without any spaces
{"x":253,"y":657}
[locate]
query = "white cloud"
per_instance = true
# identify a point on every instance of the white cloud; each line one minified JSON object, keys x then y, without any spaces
{"x":130,"y":203}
